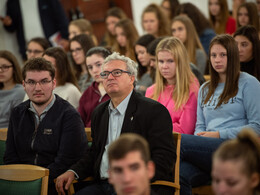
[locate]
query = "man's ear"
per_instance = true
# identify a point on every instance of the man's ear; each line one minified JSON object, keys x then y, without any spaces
{"x":151,"y":169}
{"x":255,"y":179}
{"x":54,"y":83}
{"x":23,"y":85}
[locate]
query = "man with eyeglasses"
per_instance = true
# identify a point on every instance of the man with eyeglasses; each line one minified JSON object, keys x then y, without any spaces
{"x":45,"y":130}
{"x":127,"y":111}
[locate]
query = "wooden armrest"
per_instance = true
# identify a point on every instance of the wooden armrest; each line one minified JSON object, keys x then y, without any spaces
{"x":166,"y":183}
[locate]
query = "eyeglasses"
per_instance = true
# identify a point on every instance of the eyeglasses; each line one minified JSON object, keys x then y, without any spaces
{"x":77,"y":50}
{"x":34,"y":51}
{"x":33,"y":83}
{"x":115,"y":73}
{"x":5,"y":67}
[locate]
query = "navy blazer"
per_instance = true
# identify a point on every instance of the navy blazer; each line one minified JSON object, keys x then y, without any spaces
{"x":52,"y":15}
{"x":143,"y":116}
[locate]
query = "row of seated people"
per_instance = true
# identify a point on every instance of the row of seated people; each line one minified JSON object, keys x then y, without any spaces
{"x":225,"y":105}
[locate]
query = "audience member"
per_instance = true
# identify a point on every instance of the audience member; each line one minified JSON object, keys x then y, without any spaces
{"x":155,"y":22}
{"x":170,"y":7}
{"x":112,"y":17}
{"x":36,"y":46}
{"x":66,"y":82}
{"x":247,"y":15}
{"x":126,"y":36}
{"x":220,"y":18}
{"x":95,"y":94}
{"x":225,"y":106}
{"x":79,"y":46}
{"x":11,"y":90}
{"x":45,"y":130}
{"x":201,"y":23}
{"x":130,"y":165}
{"x":36,"y":19}
{"x":175,"y":85}
{"x":127,"y":111}
{"x":81,"y":26}
{"x":235,"y":5}
{"x":143,"y":59}
{"x":183,"y":28}
{"x":249,"y":49}
{"x":235,"y":169}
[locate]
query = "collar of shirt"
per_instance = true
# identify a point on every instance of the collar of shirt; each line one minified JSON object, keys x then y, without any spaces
{"x":121,"y":108}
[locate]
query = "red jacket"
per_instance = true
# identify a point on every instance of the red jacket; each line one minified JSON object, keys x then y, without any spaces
{"x":88,"y":102}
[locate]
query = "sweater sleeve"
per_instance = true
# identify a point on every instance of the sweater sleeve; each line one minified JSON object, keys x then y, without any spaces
{"x":251,"y":91}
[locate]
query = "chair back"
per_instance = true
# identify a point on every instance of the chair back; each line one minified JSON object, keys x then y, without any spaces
{"x":3,"y":135}
{"x":23,"y":179}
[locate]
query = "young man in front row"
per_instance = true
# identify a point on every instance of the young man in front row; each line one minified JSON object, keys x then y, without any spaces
{"x":130,"y":165}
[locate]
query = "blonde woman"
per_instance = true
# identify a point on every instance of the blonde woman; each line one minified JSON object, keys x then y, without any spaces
{"x":183,"y":28}
{"x":175,"y":86}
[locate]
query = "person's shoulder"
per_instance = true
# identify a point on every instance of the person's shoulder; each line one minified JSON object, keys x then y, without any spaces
{"x":61,"y":104}
{"x":245,"y":78}
{"x":144,"y":102}
{"x":22,"y":107}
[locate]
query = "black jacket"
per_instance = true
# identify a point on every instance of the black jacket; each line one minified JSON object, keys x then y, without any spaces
{"x":60,"y":139}
{"x":143,"y":116}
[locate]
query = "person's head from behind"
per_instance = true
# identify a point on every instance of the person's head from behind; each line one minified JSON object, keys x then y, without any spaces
{"x":247,"y":15}
{"x":39,"y":80}
{"x":248,"y":43}
{"x":154,"y":21}
{"x":80,"y":26}
{"x":126,"y":33}
{"x":130,"y":166}
{"x":10,"y":71}
{"x":59,"y":59}
{"x":36,"y":47}
{"x":141,"y":49}
{"x":119,"y":75}
{"x":113,"y":16}
{"x":236,"y":169}
{"x":94,"y":60}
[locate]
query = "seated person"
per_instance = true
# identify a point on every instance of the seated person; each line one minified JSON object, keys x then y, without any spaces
{"x":11,"y":89}
{"x":127,"y":111}
{"x":226,"y":105}
{"x":95,"y":94}
{"x":176,"y":87}
{"x":130,"y":165}
{"x":235,"y":168}
{"x":44,"y":130}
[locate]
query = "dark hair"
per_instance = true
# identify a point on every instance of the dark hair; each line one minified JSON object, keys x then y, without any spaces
{"x":245,"y":148}
{"x":86,"y":43}
{"x":144,"y":41}
{"x":173,"y":7}
{"x":151,"y":48}
{"x":232,"y":72}
{"x":128,"y":142}
{"x":252,"y":14}
{"x":17,"y":75}
{"x":102,"y":51}
{"x":251,"y":34}
{"x":199,"y":20}
{"x":43,"y":42}
{"x":38,"y":64}
{"x":64,"y":72}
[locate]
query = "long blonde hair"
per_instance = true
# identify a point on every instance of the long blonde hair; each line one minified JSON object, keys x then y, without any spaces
{"x":192,"y":40}
{"x":184,"y":75}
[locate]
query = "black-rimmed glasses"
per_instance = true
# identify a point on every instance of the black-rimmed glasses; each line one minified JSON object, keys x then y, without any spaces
{"x":115,"y":73}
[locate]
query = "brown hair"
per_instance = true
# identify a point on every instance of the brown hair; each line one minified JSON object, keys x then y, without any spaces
{"x":64,"y":72}
{"x":43,"y":42}
{"x":232,"y":72}
{"x":163,"y":21}
{"x":17,"y":75}
{"x":38,"y":64}
{"x":245,"y":148}
{"x":222,"y":18}
{"x":129,"y":142}
{"x":131,"y":35}
{"x":252,"y":14}
{"x":86,"y":43}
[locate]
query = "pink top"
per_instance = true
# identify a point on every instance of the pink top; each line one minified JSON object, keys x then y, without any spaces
{"x":184,"y":119}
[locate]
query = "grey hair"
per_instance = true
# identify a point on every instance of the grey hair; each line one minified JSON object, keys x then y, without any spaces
{"x":131,"y":65}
